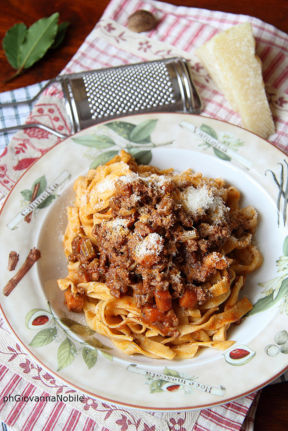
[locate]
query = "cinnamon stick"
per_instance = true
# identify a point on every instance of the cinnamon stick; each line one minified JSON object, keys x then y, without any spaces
{"x":12,"y":260}
{"x":33,"y":255}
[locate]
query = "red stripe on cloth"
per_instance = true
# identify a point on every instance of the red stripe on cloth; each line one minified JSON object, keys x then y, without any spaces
{"x":264,"y":54}
{"x":218,"y":419}
{"x":54,"y":417}
{"x":198,"y":427}
{"x":169,"y":30}
{"x":72,"y":421}
{"x":3,"y":371}
{"x":89,"y":425}
{"x":181,"y":32}
{"x":19,"y":406}
{"x":281,"y":78}
{"x":13,"y":383}
{"x":252,"y":396}
{"x":98,"y":50}
{"x":274,"y":44}
{"x":236,"y":407}
{"x":34,"y":415}
{"x":249,"y":420}
{"x":84,"y":66}
{"x":233,"y":21}
{"x":219,"y":106}
{"x":119,"y":10}
{"x":273,"y":65}
{"x":195,"y":37}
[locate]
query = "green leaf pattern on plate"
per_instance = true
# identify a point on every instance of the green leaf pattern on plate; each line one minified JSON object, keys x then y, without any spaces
{"x":44,"y":337}
{"x":122,"y":128}
{"x":90,"y":356}
{"x":99,"y":142}
{"x":143,"y":157}
{"x":226,"y":139}
{"x":28,"y":193}
{"x":63,"y":331}
{"x":142,"y":132}
{"x":281,"y":181}
{"x":277,"y":288}
{"x":285,"y":246}
{"x":66,"y":353}
{"x":103,"y":158}
{"x":135,"y":139}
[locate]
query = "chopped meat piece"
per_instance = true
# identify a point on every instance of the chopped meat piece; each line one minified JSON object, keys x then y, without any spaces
{"x":74,"y":302}
{"x":188,"y":299}
{"x":163,"y":300}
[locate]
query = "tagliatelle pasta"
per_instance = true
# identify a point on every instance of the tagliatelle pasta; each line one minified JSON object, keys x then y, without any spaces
{"x":157,"y":259}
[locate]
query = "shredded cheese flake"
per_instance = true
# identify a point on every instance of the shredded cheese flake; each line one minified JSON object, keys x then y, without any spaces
{"x":107,"y":185}
{"x":196,"y":199}
{"x":153,"y":180}
{"x":151,"y":245}
{"x":129,"y":178}
{"x":118,"y":223}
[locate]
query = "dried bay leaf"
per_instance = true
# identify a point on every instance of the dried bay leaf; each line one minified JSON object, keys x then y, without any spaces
{"x":61,"y":32}
{"x":12,"y":42}
{"x":39,"y":38}
{"x":24,"y":47}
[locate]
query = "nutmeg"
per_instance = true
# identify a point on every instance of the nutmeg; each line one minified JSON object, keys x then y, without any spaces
{"x":142,"y":20}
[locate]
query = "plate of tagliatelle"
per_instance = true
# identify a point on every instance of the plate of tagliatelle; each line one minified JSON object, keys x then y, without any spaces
{"x":147,"y":261}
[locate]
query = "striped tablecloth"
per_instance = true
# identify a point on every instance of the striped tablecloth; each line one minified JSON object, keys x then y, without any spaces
{"x":179,"y":32}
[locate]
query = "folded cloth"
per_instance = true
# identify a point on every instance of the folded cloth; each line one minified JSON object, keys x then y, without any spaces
{"x":179,"y":32}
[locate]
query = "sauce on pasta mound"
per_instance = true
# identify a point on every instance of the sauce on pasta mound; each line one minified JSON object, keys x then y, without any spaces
{"x":157,"y":259}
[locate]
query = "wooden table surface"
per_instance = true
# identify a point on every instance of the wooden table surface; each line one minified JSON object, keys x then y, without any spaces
{"x":272,"y":411}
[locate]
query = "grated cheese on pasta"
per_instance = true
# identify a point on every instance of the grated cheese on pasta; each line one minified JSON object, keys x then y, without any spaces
{"x":152,"y":244}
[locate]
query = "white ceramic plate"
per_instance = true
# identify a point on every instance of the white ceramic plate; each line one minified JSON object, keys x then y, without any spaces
{"x":34,"y":309}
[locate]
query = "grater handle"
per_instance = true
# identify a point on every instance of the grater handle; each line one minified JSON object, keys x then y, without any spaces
{"x":35,"y":97}
{"x":30,"y":125}
{"x":32,"y":99}
{"x":29,"y":102}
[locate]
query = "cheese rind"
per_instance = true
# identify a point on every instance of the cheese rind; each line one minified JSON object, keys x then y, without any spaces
{"x":231,"y":61}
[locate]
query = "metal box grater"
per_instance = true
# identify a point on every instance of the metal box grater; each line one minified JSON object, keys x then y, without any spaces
{"x":156,"y":86}
{"x":103,"y":94}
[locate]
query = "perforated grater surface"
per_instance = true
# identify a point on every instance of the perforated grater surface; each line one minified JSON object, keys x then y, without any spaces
{"x":104,"y":94}
{"x":156,"y":86}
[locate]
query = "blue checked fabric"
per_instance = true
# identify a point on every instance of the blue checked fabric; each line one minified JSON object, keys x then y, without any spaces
{"x":11,"y":116}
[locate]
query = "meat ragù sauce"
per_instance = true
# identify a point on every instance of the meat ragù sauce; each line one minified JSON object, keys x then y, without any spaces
{"x":167,"y":236}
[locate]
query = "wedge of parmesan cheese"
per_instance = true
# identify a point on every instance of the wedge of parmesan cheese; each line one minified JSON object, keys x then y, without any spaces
{"x":230,"y":59}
